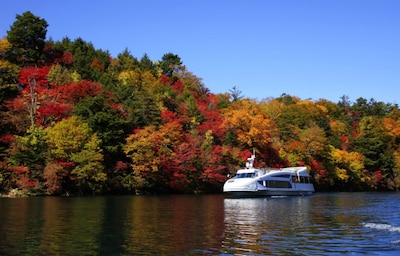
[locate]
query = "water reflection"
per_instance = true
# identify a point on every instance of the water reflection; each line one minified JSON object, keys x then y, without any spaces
{"x":322,"y":224}
{"x":163,"y":225}
{"x":173,"y":225}
{"x":256,"y":225}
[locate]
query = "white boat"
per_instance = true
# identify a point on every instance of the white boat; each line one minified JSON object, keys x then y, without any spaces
{"x":289,"y":181}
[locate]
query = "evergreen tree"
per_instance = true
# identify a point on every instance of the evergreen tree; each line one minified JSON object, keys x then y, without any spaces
{"x":27,"y":36}
{"x":169,"y":63}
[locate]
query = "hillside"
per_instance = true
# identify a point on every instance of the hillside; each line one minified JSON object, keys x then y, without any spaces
{"x":75,"y":120}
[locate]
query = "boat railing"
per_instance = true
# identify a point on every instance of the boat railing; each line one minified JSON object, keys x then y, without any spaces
{"x":271,"y":169}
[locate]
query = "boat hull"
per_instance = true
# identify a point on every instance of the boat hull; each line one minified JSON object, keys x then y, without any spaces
{"x":267,"y":193}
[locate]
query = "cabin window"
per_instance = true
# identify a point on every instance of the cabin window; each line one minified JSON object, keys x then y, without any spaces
{"x":282,"y":176}
{"x":278,"y":184}
{"x":245,"y":175}
{"x":300,"y":179}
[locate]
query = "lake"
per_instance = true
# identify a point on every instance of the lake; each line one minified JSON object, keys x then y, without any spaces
{"x":321,"y":224}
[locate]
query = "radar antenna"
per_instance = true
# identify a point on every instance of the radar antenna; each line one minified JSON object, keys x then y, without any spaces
{"x":250,"y":160}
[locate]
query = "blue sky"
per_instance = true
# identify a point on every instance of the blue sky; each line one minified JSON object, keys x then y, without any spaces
{"x":312,"y":49}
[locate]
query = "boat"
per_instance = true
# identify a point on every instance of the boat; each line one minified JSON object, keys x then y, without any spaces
{"x":251,"y":182}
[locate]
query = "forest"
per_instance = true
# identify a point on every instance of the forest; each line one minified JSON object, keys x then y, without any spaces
{"x":77,"y":121}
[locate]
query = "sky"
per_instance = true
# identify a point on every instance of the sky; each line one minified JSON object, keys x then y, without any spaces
{"x":312,"y":49}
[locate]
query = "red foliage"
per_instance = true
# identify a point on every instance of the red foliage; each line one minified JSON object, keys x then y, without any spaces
{"x":73,"y":93}
{"x":300,"y":163}
{"x":165,"y":80}
{"x":178,"y":86}
{"x":321,"y":177}
{"x":179,"y":182}
{"x":58,"y":56}
{"x":7,"y":138}
{"x":378,"y":176}
{"x":39,"y":74}
{"x":32,"y":183}
{"x":212,"y":177}
{"x":21,"y":176}
{"x":16,"y":104}
{"x":322,"y":172}
{"x":53,"y":102}
{"x":21,"y":170}
{"x":213,"y":119}
{"x":245,"y":154}
{"x":121,"y":167}
{"x":65,"y":163}
{"x":314,"y":164}
{"x":52,"y":111}
{"x":67,"y":58}
{"x":168,"y":116}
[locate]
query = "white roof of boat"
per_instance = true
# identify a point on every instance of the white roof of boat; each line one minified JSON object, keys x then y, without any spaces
{"x":286,"y":169}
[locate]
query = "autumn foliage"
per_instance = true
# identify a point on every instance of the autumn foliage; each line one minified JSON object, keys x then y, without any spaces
{"x":78,"y":121}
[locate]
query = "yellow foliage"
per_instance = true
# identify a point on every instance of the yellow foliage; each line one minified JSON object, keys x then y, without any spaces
{"x":272,"y":109}
{"x":76,"y":77}
{"x":338,"y":127}
{"x":11,"y":74}
{"x":68,"y":136}
{"x":129,"y":77}
{"x":352,"y":162}
{"x":341,"y":174}
{"x":314,"y":140}
{"x":322,"y":108}
{"x":307,"y":103}
{"x":4,"y":45}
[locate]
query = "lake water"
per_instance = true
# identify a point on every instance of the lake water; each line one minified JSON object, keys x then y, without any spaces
{"x":322,"y":224}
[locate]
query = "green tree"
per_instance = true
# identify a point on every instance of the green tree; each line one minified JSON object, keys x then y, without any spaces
{"x":170,"y":63}
{"x":89,"y":63}
{"x":371,"y":108}
{"x":89,"y":170}
{"x":108,"y":123}
{"x":146,"y":64}
{"x":235,"y":94}
{"x":372,"y":142}
{"x":127,"y":61}
{"x":27,"y":36}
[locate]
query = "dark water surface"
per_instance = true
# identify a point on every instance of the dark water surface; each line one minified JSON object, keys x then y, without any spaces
{"x":322,"y":224}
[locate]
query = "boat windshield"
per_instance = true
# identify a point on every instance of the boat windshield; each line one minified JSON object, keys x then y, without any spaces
{"x":245,"y":175}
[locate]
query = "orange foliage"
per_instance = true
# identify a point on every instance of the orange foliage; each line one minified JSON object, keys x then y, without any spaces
{"x":249,"y":124}
{"x":97,"y":65}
